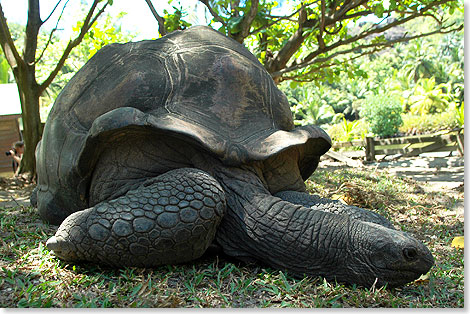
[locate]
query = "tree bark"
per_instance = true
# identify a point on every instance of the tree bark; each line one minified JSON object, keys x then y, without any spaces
{"x":32,"y":128}
{"x":246,"y":22}
{"x":160,"y":20}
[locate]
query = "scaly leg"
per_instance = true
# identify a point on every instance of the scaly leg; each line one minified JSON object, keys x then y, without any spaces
{"x":169,"y":219}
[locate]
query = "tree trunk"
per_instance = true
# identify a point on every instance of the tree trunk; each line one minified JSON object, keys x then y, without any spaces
{"x":32,"y":129}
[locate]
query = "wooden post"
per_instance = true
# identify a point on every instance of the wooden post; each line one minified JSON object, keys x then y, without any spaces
{"x":370,"y":149}
{"x":460,"y":142}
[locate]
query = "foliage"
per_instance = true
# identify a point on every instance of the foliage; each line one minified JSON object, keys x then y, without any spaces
{"x":396,"y":71}
{"x":308,"y":106}
{"x":31,"y":276}
{"x":348,"y":130}
{"x":460,"y":114}
{"x":174,"y":21}
{"x":388,"y":72}
{"x":383,"y":114}
{"x":429,"y":98}
{"x":430,"y":123}
{"x":4,"y":71}
{"x":105,"y":31}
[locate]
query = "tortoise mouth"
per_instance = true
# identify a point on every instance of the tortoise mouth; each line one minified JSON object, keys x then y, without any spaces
{"x":400,"y":278}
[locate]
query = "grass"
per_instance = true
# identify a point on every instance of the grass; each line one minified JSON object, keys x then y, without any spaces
{"x":31,"y":276}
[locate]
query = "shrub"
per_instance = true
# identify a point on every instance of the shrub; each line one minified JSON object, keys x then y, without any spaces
{"x":429,"y":123}
{"x":383,"y":112}
{"x":347,"y":131}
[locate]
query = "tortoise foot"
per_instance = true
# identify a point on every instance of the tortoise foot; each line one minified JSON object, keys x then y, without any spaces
{"x":169,"y":219}
{"x":334,"y":207}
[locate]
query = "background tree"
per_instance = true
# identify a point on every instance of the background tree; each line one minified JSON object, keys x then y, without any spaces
{"x":24,"y":64}
{"x":316,"y":39}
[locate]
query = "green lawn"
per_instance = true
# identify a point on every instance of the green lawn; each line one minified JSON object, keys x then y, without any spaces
{"x":30,"y":275}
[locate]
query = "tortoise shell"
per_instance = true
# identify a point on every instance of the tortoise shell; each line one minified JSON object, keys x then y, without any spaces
{"x":196,"y":84}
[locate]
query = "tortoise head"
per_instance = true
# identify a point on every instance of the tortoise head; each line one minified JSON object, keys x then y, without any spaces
{"x":386,"y":256}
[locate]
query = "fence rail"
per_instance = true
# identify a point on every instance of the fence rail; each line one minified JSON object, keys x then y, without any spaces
{"x":408,"y":146}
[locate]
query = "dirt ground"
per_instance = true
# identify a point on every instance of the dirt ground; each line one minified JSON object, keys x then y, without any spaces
{"x":14,"y":192}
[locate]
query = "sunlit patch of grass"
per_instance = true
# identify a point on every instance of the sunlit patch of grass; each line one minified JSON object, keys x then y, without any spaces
{"x":31,"y":276}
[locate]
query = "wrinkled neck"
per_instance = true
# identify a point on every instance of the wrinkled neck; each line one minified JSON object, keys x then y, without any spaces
{"x":259,"y":226}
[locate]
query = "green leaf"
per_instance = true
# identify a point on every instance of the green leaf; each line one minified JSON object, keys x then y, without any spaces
{"x":222,"y":30}
{"x":234,"y":24}
{"x":293,"y":84}
{"x":4,"y":68}
{"x":379,"y":10}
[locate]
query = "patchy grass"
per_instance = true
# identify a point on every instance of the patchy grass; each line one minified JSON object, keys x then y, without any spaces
{"x":31,"y":276}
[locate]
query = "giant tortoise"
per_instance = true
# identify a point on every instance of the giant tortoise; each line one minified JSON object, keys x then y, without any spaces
{"x":157,"y":149}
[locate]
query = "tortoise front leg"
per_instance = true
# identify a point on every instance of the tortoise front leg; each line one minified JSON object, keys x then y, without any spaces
{"x":333,"y":206}
{"x":168,"y":219}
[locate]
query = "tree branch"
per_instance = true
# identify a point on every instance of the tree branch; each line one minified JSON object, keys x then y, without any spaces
{"x":321,"y":42}
{"x":327,"y":65}
{"x":213,"y":13}
{"x":246,"y":22}
{"x":32,"y":31}
{"x":356,"y":14}
{"x":52,"y":31}
{"x":281,"y":58}
{"x":347,"y":6}
{"x":275,"y":66}
{"x":87,"y":23}
{"x":279,"y":18}
{"x":8,"y":46}
{"x":337,"y":17}
{"x":377,"y":46}
{"x":52,"y":12}
{"x":367,"y":33}
{"x":160,"y":20}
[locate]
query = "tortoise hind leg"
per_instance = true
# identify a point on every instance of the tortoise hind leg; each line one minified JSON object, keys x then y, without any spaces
{"x":168,"y":219}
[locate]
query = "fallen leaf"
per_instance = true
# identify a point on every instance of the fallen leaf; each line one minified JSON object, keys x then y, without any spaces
{"x":424,"y":277}
{"x":457,"y":242}
{"x":340,"y":198}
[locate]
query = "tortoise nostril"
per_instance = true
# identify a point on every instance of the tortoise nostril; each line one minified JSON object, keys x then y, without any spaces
{"x":410,"y":253}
